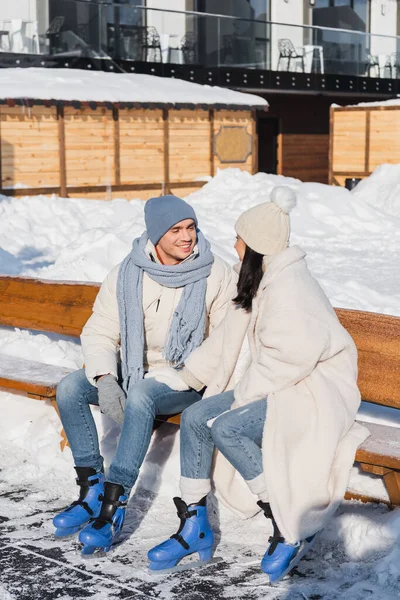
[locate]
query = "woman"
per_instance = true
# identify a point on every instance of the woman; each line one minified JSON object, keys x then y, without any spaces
{"x":286,"y":423}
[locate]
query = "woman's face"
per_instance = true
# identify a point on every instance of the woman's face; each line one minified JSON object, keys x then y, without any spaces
{"x":240,"y":247}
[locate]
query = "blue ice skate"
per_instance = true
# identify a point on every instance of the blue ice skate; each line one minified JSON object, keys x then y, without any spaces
{"x":281,"y":557}
{"x":101,"y":532}
{"x":193,"y":535}
{"x":87,"y":506}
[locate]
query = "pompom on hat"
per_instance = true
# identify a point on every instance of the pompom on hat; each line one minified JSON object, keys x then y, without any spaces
{"x":265,"y":228}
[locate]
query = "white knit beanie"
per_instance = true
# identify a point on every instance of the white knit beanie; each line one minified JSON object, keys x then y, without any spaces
{"x":265,"y":228}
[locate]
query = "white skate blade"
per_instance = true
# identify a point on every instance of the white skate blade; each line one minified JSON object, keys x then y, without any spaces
{"x":303,"y":549}
{"x":196,"y":564}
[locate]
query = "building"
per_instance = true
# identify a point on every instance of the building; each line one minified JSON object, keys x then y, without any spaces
{"x":303,"y":55}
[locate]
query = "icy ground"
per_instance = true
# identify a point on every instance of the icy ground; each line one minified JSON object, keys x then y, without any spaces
{"x":352,"y":241}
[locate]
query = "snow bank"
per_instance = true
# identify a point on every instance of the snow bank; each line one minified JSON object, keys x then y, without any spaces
{"x":97,"y":86}
{"x":351,"y":238}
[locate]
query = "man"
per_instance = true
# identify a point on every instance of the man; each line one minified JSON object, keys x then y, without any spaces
{"x":155,"y":308}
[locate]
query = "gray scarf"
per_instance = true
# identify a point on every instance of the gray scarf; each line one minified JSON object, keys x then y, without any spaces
{"x":188,"y":324}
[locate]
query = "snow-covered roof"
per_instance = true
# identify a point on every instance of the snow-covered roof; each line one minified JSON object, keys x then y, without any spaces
{"x":97,"y":86}
{"x":391,"y":102}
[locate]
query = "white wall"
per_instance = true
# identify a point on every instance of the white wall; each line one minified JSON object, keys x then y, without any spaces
{"x":383,"y":21}
{"x":289,"y":13}
{"x":18,"y":9}
{"x":20,"y":18}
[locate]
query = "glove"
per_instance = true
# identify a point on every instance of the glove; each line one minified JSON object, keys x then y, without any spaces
{"x":112,"y":399}
{"x":170,"y":377}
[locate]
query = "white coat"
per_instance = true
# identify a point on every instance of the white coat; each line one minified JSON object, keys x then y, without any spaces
{"x":305,"y":363}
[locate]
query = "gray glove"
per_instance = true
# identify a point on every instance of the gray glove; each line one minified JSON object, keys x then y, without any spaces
{"x":112,"y":399}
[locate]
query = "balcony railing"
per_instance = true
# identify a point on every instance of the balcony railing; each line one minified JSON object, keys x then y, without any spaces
{"x":121,"y":32}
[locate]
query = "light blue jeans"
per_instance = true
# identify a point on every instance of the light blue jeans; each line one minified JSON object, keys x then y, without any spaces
{"x":145,"y":400}
{"x":237,"y":434}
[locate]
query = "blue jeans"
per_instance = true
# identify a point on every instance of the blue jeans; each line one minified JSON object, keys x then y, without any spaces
{"x":145,"y":400}
{"x":237,"y":434}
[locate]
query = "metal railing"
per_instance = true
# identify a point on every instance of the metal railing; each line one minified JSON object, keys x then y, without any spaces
{"x":124,"y":32}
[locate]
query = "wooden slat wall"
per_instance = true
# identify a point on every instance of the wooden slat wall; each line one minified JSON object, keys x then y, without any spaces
{"x":81,"y":148}
{"x":89,"y":146}
{"x":384,"y":143}
{"x":29,"y":146}
{"x":141,"y":145}
{"x":349,"y":141}
{"x":189,"y":144}
{"x":362,"y":138}
{"x":304,"y":156}
{"x":243,"y":119}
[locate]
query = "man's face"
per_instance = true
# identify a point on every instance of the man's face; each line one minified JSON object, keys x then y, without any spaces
{"x":178,"y":243}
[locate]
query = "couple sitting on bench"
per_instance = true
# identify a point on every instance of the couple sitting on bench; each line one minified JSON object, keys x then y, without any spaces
{"x":259,"y":365}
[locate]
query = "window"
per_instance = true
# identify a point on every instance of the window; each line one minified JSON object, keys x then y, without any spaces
{"x":342,"y":14}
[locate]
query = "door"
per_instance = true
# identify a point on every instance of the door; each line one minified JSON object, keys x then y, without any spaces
{"x":268,"y":131}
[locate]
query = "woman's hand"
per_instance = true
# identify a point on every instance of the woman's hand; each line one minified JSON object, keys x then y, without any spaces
{"x":168,"y":376}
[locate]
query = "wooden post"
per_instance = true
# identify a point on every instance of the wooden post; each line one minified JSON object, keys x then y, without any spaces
{"x":392,"y":482}
{"x":61,"y":151}
{"x":166,"y":189}
{"x":254,"y":142}
{"x":117,"y":156}
{"x":64,"y":439}
{"x":330,"y":154}
{"x":211,"y":119}
{"x":367,"y":139}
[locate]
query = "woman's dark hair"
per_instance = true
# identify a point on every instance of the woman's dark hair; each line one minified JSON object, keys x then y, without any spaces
{"x":250,"y":277}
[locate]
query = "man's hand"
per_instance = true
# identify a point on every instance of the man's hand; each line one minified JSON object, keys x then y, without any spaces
{"x":111,"y":398}
{"x":170,"y":377}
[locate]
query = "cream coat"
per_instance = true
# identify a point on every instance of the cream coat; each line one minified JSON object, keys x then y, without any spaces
{"x":305,"y":362}
{"x":101,"y":335}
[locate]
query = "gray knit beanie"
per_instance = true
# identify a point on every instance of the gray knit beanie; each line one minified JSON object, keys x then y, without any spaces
{"x":265,"y":228}
{"x":163,"y":212}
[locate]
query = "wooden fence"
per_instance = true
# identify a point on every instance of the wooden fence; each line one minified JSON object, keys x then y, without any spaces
{"x":101,"y":150}
{"x":362,"y":138}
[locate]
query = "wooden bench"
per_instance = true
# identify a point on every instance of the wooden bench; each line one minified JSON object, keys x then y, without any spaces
{"x":63,"y":308}
{"x":54,"y":307}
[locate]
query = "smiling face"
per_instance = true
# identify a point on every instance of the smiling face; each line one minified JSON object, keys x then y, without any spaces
{"x":178,"y":243}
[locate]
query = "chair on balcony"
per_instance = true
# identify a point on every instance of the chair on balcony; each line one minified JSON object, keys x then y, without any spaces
{"x":141,"y":43}
{"x":289,"y":52}
{"x":372,"y":63}
{"x":393,"y":64}
{"x":53,"y":34}
{"x":151,"y":43}
{"x":189,"y":48}
{"x":5,"y":40}
{"x":126,"y":41}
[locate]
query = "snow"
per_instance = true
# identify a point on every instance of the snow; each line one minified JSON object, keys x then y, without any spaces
{"x":352,"y":241}
{"x":98,"y":86}
{"x":391,"y":102}
{"x":19,"y":369}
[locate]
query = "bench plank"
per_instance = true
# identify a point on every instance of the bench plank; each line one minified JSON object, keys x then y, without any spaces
{"x":58,"y":307}
{"x":31,"y":377}
{"x":382,"y":447}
